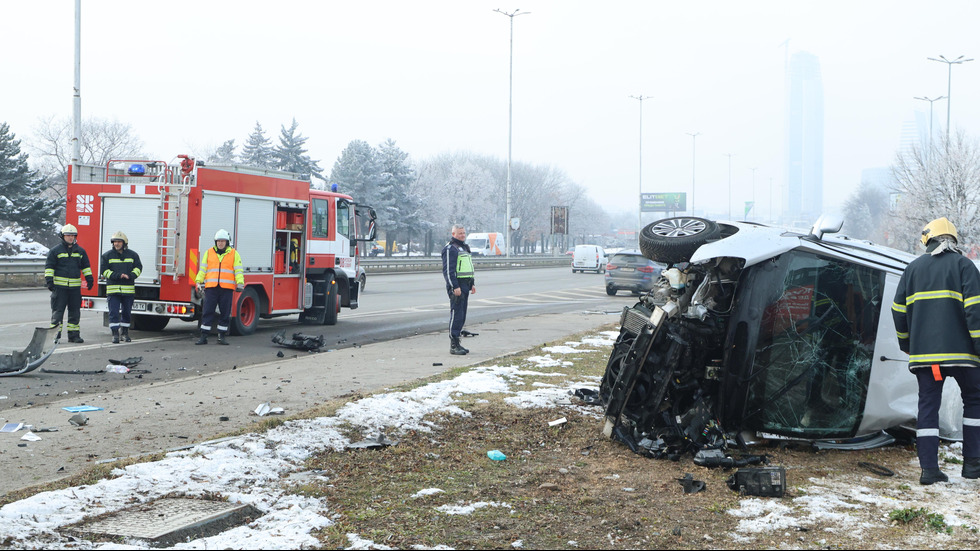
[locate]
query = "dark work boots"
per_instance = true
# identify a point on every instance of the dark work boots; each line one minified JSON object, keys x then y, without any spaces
{"x":931,"y":476}
{"x":455,"y":348}
{"x":115,"y":335}
{"x":124,"y":334}
{"x":971,"y":467}
{"x":222,"y":339}
{"x":203,"y":339}
{"x":73,"y":336}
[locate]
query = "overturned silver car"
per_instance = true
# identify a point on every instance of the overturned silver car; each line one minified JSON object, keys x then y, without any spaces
{"x":756,"y":332}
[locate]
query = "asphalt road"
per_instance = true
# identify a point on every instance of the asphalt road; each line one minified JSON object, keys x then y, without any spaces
{"x":392,"y":307}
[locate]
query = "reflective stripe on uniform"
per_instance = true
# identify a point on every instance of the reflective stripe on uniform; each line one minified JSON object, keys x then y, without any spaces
{"x":927,"y":432}
{"x":933,"y":358}
{"x":902,"y":335}
{"x":967,"y":422}
{"x":927,"y":295}
{"x":67,"y":281}
{"x":901,"y":308}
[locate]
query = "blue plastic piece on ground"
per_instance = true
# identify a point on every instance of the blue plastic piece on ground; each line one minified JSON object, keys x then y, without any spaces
{"x":496,"y":455}
{"x":81,"y":409}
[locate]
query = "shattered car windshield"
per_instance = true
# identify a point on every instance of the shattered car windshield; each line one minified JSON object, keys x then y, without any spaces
{"x":803,"y":331}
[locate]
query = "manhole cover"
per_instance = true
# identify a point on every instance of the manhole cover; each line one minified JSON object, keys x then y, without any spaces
{"x":168,"y":521}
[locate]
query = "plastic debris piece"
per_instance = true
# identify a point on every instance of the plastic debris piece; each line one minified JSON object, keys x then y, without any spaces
{"x":380,"y":442}
{"x":299,"y":340}
{"x":277,"y":411}
{"x":588,"y":395}
{"x":263,"y":409}
{"x":116,"y":368}
{"x":81,"y":409}
{"x":79,"y":419}
{"x":876,"y":469}
{"x":557,"y":422}
{"x":128,"y":362}
{"x":690,"y":485}
{"x":31,"y":437}
{"x":496,"y":455}
{"x":759,"y":481}
{"x":11,"y":427}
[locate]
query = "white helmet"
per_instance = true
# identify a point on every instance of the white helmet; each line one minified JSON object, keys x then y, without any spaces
{"x":222,"y":234}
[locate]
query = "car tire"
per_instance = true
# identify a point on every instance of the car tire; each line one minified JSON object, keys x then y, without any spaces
{"x":361,"y":282}
{"x":246,"y":313}
{"x":674,"y":240}
{"x":611,"y":291}
{"x":149,"y":323}
{"x":332,"y":304}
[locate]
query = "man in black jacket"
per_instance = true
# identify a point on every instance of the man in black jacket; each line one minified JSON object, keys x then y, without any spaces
{"x":937,"y":317}
{"x":120,"y":268}
{"x":64,"y":268}
{"x":457,"y":269}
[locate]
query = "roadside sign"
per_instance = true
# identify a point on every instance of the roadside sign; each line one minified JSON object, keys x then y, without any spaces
{"x":663,"y":202}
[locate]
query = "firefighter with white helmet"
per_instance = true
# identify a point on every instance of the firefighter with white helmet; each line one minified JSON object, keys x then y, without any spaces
{"x":937,"y":317}
{"x":220,"y":275}
{"x":67,"y":263}
{"x":120,"y":268}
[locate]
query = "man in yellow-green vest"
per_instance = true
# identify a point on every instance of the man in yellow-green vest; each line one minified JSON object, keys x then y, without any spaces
{"x":66,"y":265}
{"x":220,"y":275}
{"x":457,"y":269}
{"x":120,"y":267}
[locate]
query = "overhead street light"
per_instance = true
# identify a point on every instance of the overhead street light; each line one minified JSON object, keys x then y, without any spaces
{"x":923,"y":98}
{"x":949,"y":86}
{"x":639,"y":196}
{"x":510,"y":116}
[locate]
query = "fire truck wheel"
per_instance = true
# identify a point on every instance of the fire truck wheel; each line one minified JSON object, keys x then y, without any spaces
{"x":149,"y":323}
{"x":333,"y":304}
{"x":248,"y":313}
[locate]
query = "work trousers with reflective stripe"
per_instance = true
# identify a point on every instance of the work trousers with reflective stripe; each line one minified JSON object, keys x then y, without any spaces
{"x":457,"y":307}
{"x":70,"y":298}
{"x":117,"y":304}
{"x":217,"y":296}
{"x":930,"y":397}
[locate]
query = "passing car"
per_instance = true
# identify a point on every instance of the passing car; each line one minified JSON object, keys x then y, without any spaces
{"x":628,"y":270}
{"x":758,"y":332}
{"x":588,"y":258}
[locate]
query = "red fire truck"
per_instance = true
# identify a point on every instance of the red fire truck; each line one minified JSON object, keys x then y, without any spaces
{"x":298,"y":245}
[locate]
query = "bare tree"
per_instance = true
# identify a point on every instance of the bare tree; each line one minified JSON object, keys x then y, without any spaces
{"x":930,"y":184}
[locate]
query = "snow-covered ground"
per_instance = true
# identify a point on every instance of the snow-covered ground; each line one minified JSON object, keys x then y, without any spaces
{"x":254,"y":469}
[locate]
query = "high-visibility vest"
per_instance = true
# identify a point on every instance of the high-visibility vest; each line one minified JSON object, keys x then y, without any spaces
{"x":464,"y":265}
{"x":224,"y":270}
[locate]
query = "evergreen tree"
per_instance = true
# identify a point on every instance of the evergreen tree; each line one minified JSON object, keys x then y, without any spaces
{"x":399,"y":210}
{"x":257,"y":151}
{"x":289,"y":155}
{"x":23,"y":202}
{"x":224,"y":155}
{"x":357,"y":172}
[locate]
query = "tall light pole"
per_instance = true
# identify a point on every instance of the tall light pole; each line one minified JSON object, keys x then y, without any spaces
{"x":949,"y":86}
{"x":753,"y":169}
{"x":694,"y":153}
{"x":729,"y":185}
{"x":510,"y":117}
{"x":76,"y":138}
{"x":923,"y":98}
{"x":639,"y":196}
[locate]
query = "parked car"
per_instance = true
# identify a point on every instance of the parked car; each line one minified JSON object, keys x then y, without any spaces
{"x":588,"y":257}
{"x":762,"y":332}
{"x":629,"y":270}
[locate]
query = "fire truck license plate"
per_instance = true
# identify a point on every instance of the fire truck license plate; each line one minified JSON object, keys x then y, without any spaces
{"x":139,"y":307}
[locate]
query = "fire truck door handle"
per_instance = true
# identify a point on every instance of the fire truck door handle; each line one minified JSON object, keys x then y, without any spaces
{"x":312,"y":260}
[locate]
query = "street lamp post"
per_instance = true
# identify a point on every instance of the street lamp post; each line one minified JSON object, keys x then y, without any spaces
{"x":510,"y":117}
{"x":639,"y":196}
{"x":923,"y":98}
{"x":949,"y":86}
{"x":753,"y":169}
{"x":694,"y":153}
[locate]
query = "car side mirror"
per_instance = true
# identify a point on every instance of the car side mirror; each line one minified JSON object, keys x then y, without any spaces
{"x":827,"y":223}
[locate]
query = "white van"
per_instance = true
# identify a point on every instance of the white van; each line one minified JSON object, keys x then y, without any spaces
{"x":589,"y":257}
{"x":486,"y":244}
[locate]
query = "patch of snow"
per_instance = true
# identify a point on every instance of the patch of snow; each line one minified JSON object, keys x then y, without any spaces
{"x":469,"y":509}
{"x":357,"y":542}
{"x":427,"y":492}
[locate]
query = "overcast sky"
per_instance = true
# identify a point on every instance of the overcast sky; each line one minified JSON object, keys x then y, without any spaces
{"x":433,"y":76}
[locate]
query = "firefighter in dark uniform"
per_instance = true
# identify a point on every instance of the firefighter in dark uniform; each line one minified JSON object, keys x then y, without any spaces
{"x":220,"y":275}
{"x":120,"y":268}
{"x":457,"y":268}
{"x":66,"y":265}
{"x":937,"y":317}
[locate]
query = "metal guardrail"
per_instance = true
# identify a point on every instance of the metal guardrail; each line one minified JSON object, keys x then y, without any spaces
{"x":372,"y":265}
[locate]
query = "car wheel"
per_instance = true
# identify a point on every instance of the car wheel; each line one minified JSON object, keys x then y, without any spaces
{"x":361,"y":281}
{"x":611,"y":291}
{"x":332,"y":304}
{"x":247,"y":310}
{"x":674,"y":240}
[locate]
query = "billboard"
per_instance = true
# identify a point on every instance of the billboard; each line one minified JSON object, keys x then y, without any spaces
{"x":663,"y":202}
{"x":559,"y":220}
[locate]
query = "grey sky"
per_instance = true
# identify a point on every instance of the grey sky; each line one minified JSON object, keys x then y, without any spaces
{"x":433,"y":77}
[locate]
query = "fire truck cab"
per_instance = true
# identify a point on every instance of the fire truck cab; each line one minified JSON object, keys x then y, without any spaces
{"x":298,"y":245}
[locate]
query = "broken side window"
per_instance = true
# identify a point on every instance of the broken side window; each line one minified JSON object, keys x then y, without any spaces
{"x":815,"y":319}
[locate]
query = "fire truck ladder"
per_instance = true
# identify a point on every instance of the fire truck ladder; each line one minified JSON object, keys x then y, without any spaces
{"x":171,"y":225}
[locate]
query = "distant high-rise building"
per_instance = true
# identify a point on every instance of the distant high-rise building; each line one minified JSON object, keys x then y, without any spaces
{"x":804,"y":139}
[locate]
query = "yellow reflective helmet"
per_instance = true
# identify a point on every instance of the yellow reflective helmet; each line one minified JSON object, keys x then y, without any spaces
{"x":68,"y":229}
{"x":939,"y":226}
{"x":119,"y":236}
